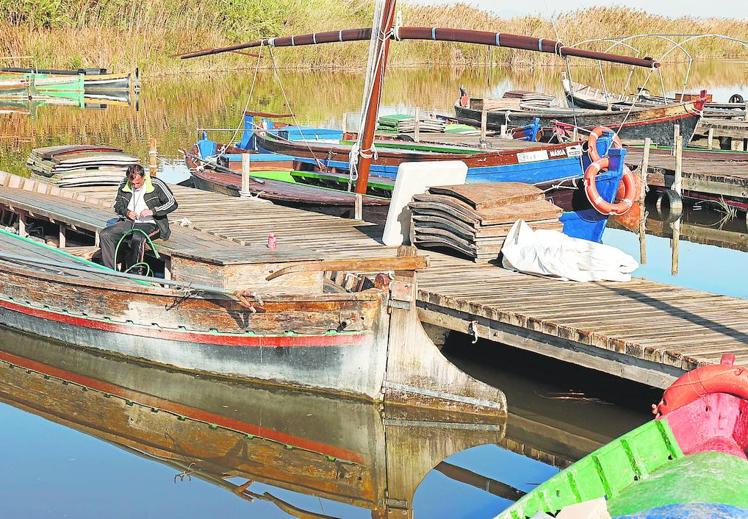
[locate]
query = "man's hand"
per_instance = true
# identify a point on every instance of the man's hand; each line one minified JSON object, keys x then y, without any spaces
{"x":145,"y":213}
{"x":131,"y":215}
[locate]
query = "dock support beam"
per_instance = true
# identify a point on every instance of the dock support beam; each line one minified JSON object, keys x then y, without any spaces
{"x":417,"y":372}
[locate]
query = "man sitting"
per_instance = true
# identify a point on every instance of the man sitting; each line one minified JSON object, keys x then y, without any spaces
{"x":142,"y":203}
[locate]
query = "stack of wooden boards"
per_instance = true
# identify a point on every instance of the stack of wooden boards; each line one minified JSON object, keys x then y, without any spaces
{"x":80,"y":165}
{"x":474,"y":219}
{"x":403,"y":123}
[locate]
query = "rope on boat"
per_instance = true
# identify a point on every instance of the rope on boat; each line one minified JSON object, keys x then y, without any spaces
{"x":246,"y":107}
{"x":276,"y":76}
{"x":376,"y":55}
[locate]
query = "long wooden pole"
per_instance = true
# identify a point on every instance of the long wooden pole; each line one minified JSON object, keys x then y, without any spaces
{"x":493,"y":39}
{"x":370,"y":121}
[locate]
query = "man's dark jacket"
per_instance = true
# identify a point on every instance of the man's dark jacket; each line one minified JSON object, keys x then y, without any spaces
{"x":158,"y":198}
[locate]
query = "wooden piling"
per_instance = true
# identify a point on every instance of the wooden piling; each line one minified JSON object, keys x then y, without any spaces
{"x":358,"y":207}
{"x":153,"y":159}
{"x":678,"y":148}
{"x":417,"y":128}
{"x":676,"y":134}
{"x":675,"y":246}
{"x":244,"y":192}
{"x":483,"y":124}
{"x":642,"y":202}
{"x":709,"y":138}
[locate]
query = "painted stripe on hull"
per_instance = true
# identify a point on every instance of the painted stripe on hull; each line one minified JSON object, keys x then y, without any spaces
{"x":217,"y":339}
{"x":356,"y":371}
{"x":530,"y":172}
{"x":181,"y":409}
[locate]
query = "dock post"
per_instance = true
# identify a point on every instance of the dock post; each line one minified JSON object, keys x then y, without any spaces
{"x":153,"y":159}
{"x":483,"y":124}
{"x":676,"y":134}
{"x":61,"y":237}
{"x":745,"y":116}
{"x":244,"y":192}
{"x":675,"y":246}
{"x":503,"y":131}
{"x":676,"y":202}
{"x":358,"y":207}
{"x":709,"y":137}
{"x":678,"y":180}
{"x":417,"y":128}
{"x":642,"y":202}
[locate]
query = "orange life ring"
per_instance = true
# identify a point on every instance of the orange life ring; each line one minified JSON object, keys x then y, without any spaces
{"x":718,"y":378}
{"x":602,"y":206}
{"x":592,"y":141}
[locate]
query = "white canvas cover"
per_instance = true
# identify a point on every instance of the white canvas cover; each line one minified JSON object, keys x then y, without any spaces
{"x":552,"y":253}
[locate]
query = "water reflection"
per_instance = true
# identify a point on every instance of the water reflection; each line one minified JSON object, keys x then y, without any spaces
{"x":704,"y":249}
{"x":227,"y":447}
{"x":277,"y":447}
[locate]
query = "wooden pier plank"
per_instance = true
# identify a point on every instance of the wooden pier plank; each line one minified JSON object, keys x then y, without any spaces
{"x":641,"y":330}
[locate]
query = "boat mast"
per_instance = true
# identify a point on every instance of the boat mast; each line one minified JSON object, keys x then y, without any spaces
{"x":381,"y":50}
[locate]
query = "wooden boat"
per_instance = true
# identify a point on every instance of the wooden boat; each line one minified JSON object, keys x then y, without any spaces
{"x":691,"y":459}
{"x":585,"y":96}
{"x":246,"y":312}
{"x":258,"y":443}
{"x":633,"y":125}
{"x":530,"y":164}
{"x":273,"y":178}
{"x":92,"y":79}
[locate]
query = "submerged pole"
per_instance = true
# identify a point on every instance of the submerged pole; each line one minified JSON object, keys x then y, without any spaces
{"x":372,"y":109}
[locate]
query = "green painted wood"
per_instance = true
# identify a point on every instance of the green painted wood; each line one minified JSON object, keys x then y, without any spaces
{"x":705,"y":477}
{"x":607,"y":472}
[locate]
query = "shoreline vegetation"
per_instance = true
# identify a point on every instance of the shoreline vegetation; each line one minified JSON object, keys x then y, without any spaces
{"x":122,"y":35}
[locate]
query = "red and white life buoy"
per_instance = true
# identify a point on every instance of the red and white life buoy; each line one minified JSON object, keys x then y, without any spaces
{"x":623,"y":202}
{"x":592,"y":142}
{"x":705,"y":380}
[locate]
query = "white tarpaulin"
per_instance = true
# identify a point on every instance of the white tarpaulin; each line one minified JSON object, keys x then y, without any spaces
{"x":552,"y":253}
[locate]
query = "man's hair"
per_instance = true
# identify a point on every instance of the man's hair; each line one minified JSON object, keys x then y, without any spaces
{"x":135,"y":168}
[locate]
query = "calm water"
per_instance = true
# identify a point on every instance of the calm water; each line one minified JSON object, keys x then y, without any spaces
{"x":75,"y":453}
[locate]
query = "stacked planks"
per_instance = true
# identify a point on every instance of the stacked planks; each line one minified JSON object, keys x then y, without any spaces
{"x":80,"y":165}
{"x":474,"y":219}
{"x":403,"y":123}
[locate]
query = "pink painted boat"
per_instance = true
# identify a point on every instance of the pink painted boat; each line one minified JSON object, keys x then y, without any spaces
{"x":690,"y":461}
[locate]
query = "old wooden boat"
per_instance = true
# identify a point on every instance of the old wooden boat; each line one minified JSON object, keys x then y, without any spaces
{"x":92,"y":79}
{"x":274,"y":178}
{"x":270,"y":445}
{"x":248,"y":312}
{"x":585,"y":96}
{"x":530,"y":163}
{"x":633,"y":125}
{"x":690,"y":461}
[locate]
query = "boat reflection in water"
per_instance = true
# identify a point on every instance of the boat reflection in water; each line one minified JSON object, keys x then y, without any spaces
{"x":239,"y":436}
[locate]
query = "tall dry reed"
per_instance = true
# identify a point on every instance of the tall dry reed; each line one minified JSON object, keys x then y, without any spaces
{"x":122,"y":35}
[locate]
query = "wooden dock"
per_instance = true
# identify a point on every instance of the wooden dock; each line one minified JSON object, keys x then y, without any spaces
{"x":640,"y":330}
{"x":710,"y":176}
{"x":731,"y":131}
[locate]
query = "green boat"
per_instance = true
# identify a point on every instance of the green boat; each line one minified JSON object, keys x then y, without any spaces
{"x":690,"y":461}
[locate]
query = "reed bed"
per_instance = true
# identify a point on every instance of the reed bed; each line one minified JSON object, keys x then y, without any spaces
{"x":122,"y":35}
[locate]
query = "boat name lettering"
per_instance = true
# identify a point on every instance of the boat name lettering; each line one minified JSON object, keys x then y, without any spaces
{"x":532,"y":156}
{"x":574,"y":151}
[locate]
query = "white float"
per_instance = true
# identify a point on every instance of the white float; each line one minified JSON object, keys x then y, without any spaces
{"x":412,"y":179}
